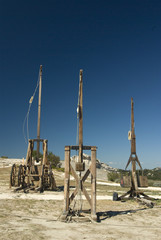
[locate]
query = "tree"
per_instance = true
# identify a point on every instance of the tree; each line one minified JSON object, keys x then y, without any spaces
{"x":34,"y":154}
{"x":54,"y":160}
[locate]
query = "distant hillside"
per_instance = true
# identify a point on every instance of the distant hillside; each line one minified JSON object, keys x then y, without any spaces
{"x":99,"y":164}
{"x":153,"y":175}
{"x":103,"y":169}
{"x":157,"y":169}
{"x":8,"y":162}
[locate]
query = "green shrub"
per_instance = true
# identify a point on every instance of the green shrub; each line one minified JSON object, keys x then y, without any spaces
{"x":60,"y":169}
{"x":54,"y":160}
{"x":34,"y":154}
{"x":113,"y":176}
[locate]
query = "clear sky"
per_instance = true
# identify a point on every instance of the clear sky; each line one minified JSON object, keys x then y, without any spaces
{"x":117,"y":43}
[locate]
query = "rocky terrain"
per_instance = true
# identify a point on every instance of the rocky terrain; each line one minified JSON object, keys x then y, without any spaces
{"x":102,"y":168}
{"x":99,"y":164}
{"x":8,"y":162}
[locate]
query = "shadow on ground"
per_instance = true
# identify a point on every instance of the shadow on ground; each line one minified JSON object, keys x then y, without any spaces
{"x":108,"y":214}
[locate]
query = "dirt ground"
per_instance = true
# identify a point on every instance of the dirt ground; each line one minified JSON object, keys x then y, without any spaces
{"x":37,"y":215}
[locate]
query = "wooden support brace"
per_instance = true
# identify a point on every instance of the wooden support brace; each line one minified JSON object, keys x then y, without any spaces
{"x":67,"y":179}
{"x":93,"y":183}
{"x":124,"y":195}
{"x":74,"y":174}
{"x":69,"y":198}
{"x":86,"y":174}
{"x":73,"y":195}
{"x":86,"y":195}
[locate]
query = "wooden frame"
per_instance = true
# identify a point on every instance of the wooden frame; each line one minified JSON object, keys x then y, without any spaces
{"x":33,"y":175}
{"x":134,"y":192}
{"x":68,"y":198}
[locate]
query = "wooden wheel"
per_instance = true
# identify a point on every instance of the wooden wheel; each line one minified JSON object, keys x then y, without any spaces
{"x":13,"y":175}
{"x":20,"y":175}
{"x":52,"y":183}
{"x":50,"y":176}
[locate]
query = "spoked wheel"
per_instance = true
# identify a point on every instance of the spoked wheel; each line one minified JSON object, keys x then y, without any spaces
{"x":13,"y":175}
{"x":21,"y":175}
{"x":27,"y":174}
{"x":50,"y":177}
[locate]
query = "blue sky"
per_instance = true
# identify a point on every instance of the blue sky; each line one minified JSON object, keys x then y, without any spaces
{"x":116,"y":43}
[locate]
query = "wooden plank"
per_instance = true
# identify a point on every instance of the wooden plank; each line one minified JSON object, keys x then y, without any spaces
{"x":67,"y":179}
{"x":77,"y":147}
{"x":86,"y":194}
{"x":74,"y":174}
{"x":86,"y":175}
{"x":73,"y":195}
{"x":93,"y":181}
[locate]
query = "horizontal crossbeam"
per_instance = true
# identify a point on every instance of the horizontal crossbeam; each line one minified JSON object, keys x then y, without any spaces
{"x":77,"y":147}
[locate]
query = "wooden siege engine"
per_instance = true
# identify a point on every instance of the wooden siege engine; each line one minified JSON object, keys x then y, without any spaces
{"x":80,"y":174}
{"x":34,"y":174}
{"x":133,"y":181}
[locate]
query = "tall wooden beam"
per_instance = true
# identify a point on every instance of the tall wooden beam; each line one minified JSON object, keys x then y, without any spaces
{"x":133,"y":137}
{"x":80,"y":167}
{"x":39,"y":111}
{"x":80,"y":116}
{"x":133,"y":159}
{"x":93,"y":183}
{"x":66,"y":179}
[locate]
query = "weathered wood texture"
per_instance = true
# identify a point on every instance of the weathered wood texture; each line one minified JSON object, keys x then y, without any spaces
{"x":80,"y":183}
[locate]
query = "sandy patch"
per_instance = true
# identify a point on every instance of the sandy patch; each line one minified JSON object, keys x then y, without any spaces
{"x":35,"y":216}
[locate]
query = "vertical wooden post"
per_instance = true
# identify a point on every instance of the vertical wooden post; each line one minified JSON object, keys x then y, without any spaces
{"x":81,"y":116}
{"x":39,"y":112}
{"x":80,"y":165}
{"x":29,"y":164}
{"x":44,"y":160}
{"x":133,"y":141}
{"x":66,"y":180}
{"x":28,"y":160}
{"x":93,"y":183}
{"x":134,"y":177}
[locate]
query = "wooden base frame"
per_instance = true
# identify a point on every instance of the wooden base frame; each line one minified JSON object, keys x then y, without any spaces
{"x":135,"y":194}
{"x":68,"y":198}
{"x":33,"y":175}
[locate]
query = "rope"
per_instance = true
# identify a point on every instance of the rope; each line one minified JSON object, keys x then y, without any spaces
{"x":26,"y":120}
